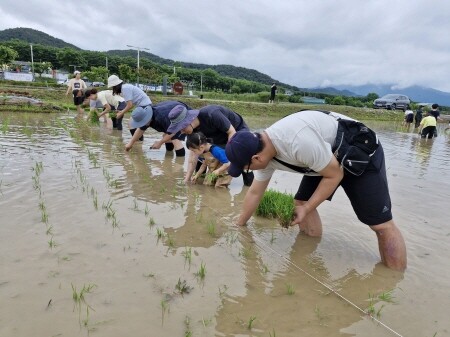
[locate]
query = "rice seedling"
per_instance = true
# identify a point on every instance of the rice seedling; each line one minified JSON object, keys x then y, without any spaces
{"x":79,"y":297}
{"x":114,"y":222}
{"x":265,"y":269}
{"x":210,"y":179}
{"x":95,"y":201}
{"x":49,"y":230}
{"x":272,"y":238}
{"x":387,"y":296}
{"x":321,"y":317}
{"x":187,"y":332}
{"x":5,"y":125}
{"x":42,"y":205}
{"x":187,"y":255}
{"x":223,"y":292}
{"x":277,"y":205}
{"x":201,"y":272}
{"x":159,"y":233}
{"x":164,"y":308}
{"x":149,"y":275}
{"x":36,"y":182}
{"x":371,"y":308}
{"x":272,"y":334}
{"x":86,"y":320}
{"x":250,"y":322}
{"x":206,"y":322}
{"x":211,"y":228}
{"x":38,"y":168}
{"x":27,"y":131}
{"x":135,"y":205}
{"x":51,"y":243}
{"x":182,"y":287}
{"x":245,"y":252}
{"x":378,"y":313}
{"x":290,"y":289}
{"x":170,"y":242}
{"x":44,"y":216}
{"x":151,"y":222}
{"x":146,"y":210}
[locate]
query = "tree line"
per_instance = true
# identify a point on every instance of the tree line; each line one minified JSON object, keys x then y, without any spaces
{"x":96,"y":66}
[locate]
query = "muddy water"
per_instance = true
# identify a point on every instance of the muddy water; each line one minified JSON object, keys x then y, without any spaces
{"x":77,"y":211}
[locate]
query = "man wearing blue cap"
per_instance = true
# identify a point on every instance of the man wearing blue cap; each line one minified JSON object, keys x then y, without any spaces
{"x":312,"y":142}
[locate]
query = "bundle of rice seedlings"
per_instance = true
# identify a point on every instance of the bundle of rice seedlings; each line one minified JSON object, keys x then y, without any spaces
{"x":277,"y":205}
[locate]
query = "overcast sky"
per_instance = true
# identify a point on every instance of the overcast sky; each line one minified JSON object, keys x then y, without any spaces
{"x":304,"y":43}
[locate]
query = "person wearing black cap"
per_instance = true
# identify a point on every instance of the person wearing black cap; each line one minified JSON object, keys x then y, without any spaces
{"x":216,"y":122}
{"x":436,"y":114}
{"x":310,"y":142}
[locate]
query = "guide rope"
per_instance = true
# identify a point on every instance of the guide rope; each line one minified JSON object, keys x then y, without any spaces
{"x":268,"y":248}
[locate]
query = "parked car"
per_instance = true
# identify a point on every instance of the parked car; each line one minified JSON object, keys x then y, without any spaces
{"x":98,"y":84}
{"x":392,"y":102}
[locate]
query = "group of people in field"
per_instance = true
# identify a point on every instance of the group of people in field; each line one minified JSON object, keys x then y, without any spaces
{"x":426,"y":125}
{"x":327,"y":148}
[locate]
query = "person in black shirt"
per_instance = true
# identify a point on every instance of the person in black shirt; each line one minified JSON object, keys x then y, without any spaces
{"x":216,"y":122}
{"x":160,"y":122}
{"x":418,"y":117}
{"x":273,"y":91}
{"x":436,"y":114}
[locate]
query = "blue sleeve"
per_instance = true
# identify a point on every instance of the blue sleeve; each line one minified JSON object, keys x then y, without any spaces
{"x":219,"y":154}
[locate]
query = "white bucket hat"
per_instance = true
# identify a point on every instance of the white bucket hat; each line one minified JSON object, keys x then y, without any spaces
{"x":113,"y":80}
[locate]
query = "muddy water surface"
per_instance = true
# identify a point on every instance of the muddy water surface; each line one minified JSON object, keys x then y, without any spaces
{"x":99,"y":242}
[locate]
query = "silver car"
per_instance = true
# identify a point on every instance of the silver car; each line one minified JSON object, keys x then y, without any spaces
{"x":392,"y":102}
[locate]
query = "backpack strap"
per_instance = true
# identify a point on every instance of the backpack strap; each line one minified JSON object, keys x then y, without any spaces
{"x":294,"y":167}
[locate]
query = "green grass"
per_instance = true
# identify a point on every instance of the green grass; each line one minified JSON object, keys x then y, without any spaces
{"x":277,"y":205}
{"x":244,"y":104}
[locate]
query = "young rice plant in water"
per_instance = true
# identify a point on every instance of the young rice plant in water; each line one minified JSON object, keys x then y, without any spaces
{"x":277,"y":205}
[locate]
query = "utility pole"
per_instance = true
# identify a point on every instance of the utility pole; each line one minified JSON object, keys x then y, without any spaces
{"x":138,"y":51}
{"x":32,"y":60}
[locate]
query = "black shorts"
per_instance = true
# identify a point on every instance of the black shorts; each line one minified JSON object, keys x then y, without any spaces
{"x":409,"y":118}
{"x":78,"y":97}
{"x":428,"y":132}
{"x":368,"y":193}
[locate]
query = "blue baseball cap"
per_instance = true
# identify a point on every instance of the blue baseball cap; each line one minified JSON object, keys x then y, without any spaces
{"x":240,"y":150}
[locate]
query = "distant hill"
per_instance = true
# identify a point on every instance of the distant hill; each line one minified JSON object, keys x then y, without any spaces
{"x":334,"y":91}
{"x":33,"y":36}
{"x":415,"y":93}
{"x":222,"y":69}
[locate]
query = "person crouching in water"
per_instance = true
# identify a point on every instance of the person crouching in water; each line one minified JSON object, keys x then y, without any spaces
{"x":214,"y":159}
{"x":427,"y":127}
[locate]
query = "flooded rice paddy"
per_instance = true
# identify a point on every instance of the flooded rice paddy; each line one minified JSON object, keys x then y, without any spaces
{"x":100,"y":242}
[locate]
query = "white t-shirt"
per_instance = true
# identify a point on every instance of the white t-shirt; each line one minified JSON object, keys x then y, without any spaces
{"x":77,"y":84}
{"x":106,"y":97}
{"x":407,"y":112}
{"x":303,"y":139}
{"x":135,"y":95}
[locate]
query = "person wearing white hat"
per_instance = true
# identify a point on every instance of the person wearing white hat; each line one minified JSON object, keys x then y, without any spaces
{"x":133,"y":96}
{"x":76,"y":86}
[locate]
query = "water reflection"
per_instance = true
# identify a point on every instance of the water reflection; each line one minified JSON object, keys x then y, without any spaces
{"x":249,"y":270}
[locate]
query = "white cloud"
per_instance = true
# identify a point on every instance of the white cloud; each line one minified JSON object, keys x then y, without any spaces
{"x":303,"y":43}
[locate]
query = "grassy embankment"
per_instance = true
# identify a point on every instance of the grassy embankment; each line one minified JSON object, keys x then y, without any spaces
{"x":55,"y":100}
